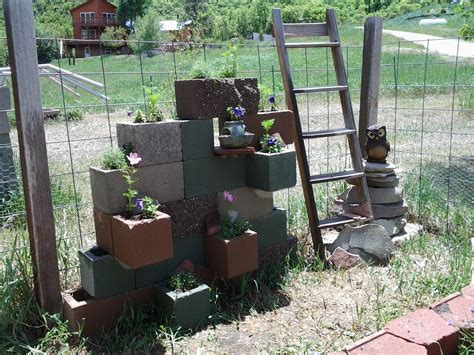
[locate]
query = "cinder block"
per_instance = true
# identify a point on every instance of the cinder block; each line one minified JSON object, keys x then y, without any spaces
{"x":271,"y":172}
{"x":191,"y":248}
{"x":456,"y":310}
{"x":197,"y":139}
{"x":188,"y":216}
{"x":5,"y":139}
{"x":279,"y":252}
{"x":188,"y":309}
{"x":102,"y":276}
{"x":271,"y":228}
{"x":424,"y":327}
{"x":164,"y":183}
{"x":215,"y":174}
{"x":384,"y":343}
{"x":156,"y":143}
{"x":250,"y":203}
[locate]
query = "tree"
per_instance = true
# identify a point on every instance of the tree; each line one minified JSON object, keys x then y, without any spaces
{"x":131,"y":10}
{"x":114,"y":37}
{"x":146,"y":32}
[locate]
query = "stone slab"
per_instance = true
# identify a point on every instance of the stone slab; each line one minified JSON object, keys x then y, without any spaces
{"x":344,"y":260}
{"x":271,"y":228}
{"x":191,"y":248}
{"x":379,"y":168}
{"x":383,"y":343}
{"x":234,"y":151}
{"x":388,"y":181}
{"x":188,"y":216}
{"x":214,"y":174}
{"x":390,"y":210}
{"x":377,"y":195}
{"x":392,"y":225}
{"x":271,"y":172}
{"x":197,"y":139}
{"x":411,"y":230}
{"x":156,"y":143}
{"x":425,"y":327}
{"x":164,"y":183}
{"x":102,"y":276}
{"x":199,"y":99}
{"x":250,"y":203}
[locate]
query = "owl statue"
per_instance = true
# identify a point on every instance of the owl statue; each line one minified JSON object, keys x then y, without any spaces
{"x":376,"y":145}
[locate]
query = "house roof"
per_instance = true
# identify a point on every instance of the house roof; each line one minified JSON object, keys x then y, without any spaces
{"x":172,"y":25}
{"x":88,"y":1}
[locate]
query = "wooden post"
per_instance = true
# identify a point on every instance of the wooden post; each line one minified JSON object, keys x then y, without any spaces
{"x":370,"y":84}
{"x":34,"y":160}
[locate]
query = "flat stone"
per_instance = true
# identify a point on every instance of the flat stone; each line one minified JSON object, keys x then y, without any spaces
{"x":345,"y":260}
{"x":411,"y":230}
{"x":381,"y":195}
{"x":379,"y":168}
{"x":251,"y":203}
{"x":387,"y":181}
{"x":389,"y":210}
{"x":392,"y":225}
{"x":370,"y":239}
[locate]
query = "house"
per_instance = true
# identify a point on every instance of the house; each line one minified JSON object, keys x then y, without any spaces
{"x":180,"y":31}
{"x":89,"y":20}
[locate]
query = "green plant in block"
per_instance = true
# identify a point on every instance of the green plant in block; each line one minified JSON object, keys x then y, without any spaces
{"x":229,"y":69}
{"x":154,"y":113}
{"x":114,"y":158}
{"x":267,"y":99}
{"x":268,"y":143}
{"x":233,"y":229}
{"x":182,"y":281}
{"x":200,"y":71}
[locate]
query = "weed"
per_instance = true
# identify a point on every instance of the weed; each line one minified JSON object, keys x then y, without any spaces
{"x":74,"y":115}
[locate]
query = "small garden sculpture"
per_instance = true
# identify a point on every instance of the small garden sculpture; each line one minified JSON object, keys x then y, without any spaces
{"x":233,"y":135}
{"x":377,"y":146}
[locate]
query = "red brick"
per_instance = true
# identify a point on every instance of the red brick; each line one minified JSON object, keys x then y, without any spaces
{"x":468,"y":291}
{"x":383,"y":343}
{"x":425,"y":327}
{"x":456,"y":310}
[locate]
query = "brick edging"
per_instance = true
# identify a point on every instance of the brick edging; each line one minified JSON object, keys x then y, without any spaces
{"x":433,"y":330}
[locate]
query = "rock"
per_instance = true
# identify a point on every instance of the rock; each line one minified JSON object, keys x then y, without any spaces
{"x":382,"y":195}
{"x":367,"y":239}
{"x":392,"y":225}
{"x":345,"y":260}
{"x":379,"y":168}
{"x":388,"y":181}
{"x":389,"y":210}
{"x":411,"y":230}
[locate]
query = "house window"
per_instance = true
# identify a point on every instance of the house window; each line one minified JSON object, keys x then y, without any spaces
{"x":108,"y":51}
{"x":88,"y":18}
{"x":109,"y":18}
{"x":88,"y":34}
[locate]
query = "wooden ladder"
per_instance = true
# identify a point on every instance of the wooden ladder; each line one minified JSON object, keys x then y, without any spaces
{"x":328,"y":28}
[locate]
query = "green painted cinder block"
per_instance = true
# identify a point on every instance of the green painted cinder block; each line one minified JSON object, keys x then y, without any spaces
{"x":191,"y":248}
{"x":214,"y":174}
{"x":271,"y":228}
{"x":271,"y":172}
{"x":197,"y":139}
{"x":188,"y":309}
{"x":102,"y":276}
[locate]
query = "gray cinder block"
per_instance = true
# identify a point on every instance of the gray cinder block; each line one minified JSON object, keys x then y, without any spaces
{"x":250,"y":203}
{"x":271,"y":228}
{"x":197,"y":139}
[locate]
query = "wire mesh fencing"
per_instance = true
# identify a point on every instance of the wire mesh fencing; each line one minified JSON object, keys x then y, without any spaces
{"x":426,"y":102}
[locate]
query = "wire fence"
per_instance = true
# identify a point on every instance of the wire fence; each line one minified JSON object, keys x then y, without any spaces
{"x":426,"y":101}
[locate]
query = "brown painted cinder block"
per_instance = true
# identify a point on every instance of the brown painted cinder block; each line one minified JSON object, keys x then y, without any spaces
{"x":456,"y":310}
{"x":79,"y":308}
{"x":103,"y":230}
{"x":382,"y":343}
{"x":284,"y":125}
{"x":425,"y":327}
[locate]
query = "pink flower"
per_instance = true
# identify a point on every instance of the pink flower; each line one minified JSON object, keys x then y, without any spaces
{"x":229,"y":197}
{"x":133,"y":158}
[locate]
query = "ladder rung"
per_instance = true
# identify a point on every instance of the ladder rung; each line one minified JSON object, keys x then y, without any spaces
{"x":339,"y":221}
{"x":316,"y":179}
{"x":320,"y":89}
{"x":328,"y":133}
{"x":312,"y":45}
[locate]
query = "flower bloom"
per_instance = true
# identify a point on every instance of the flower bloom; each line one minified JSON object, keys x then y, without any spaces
{"x":471,"y":308}
{"x":239,"y":111}
{"x":133,"y":158}
{"x":271,"y":99}
{"x":272,"y":141}
{"x":229,"y":197}
{"x":129,"y":113}
{"x":139,"y":203}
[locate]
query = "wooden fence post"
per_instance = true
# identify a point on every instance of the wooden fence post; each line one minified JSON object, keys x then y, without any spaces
{"x":370,"y":84}
{"x":34,"y":160}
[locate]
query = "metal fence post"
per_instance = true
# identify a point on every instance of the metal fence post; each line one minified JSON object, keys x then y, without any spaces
{"x":33,"y":155}
{"x":369,"y":93}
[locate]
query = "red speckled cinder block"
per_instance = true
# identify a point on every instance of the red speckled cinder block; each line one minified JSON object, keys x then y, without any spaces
{"x":456,"y":310}
{"x":383,"y":343}
{"x":425,"y":327}
{"x":468,"y":291}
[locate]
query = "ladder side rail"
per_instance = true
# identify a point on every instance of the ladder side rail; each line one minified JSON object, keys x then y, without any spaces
{"x":299,"y":142}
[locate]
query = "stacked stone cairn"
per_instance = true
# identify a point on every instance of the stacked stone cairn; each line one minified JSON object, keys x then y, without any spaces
{"x":180,"y":169}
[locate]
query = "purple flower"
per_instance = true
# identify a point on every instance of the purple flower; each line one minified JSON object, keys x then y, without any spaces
{"x":229,"y":197}
{"x":450,"y":322}
{"x":129,"y":113}
{"x":140,"y":204}
{"x":271,"y":99}
{"x":238,"y":111}
{"x":272,"y":141}
{"x":471,"y":308}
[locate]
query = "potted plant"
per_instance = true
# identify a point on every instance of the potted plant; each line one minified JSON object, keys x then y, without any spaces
{"x":268,"y":109}
{"x":141,"y":235}
{"x":231,"y":248}
{"x":185,"y":299}
{"x":273,"y":167}
{"x":233,"y":135}
{"x":203,"y":97}
{"x":157,"y":141}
